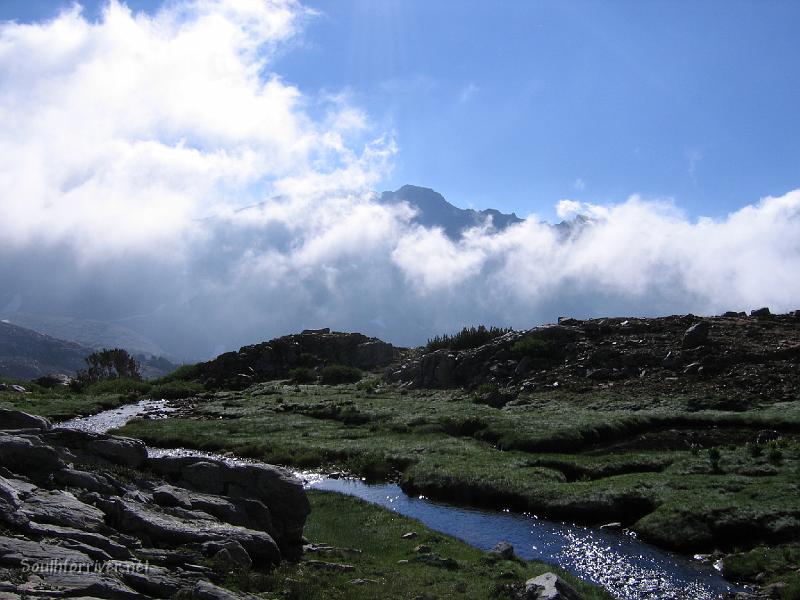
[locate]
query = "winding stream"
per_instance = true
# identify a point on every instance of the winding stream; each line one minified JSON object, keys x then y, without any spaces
{"x":626,"y":567}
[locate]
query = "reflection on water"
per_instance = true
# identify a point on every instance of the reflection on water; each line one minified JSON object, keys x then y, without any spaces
{"x":627,"y":568}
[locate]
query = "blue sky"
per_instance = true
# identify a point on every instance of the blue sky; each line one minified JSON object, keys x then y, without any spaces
{"x":516,"y":105}
{"x":138,"y":142}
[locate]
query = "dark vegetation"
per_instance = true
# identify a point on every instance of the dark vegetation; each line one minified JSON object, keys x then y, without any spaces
{"x":468,"y":337}
{"x":335,"y":374}
{"x":107,"y":365}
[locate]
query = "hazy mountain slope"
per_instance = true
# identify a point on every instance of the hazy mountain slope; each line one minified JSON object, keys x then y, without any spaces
{"x":26,"y":354}
{"x":88,"y":332}
{"x":435,"y":211}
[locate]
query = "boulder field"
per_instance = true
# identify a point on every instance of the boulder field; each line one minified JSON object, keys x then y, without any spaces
{"x":91,"y":515}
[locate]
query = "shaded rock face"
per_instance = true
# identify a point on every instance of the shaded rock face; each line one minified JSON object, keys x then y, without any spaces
{"x":753,"y":355}
{"x":62,"y":501}
{"x":312,"y":348}
{"x":434,"y":211}
{"x":269,"y":495}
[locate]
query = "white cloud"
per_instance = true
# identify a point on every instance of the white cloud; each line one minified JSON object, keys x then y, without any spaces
{"x":579,"y":184}
{"x":130,"y":146}
{"x":118,"y":133}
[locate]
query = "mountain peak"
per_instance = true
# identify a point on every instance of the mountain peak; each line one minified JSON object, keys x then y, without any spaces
{"x":435,"y":211}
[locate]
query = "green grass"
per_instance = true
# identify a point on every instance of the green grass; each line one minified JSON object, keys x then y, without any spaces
{"x":60,"y":403}
{"x":605,"y":456}
{"x":770,"y":565}
{"x":388,"y":562}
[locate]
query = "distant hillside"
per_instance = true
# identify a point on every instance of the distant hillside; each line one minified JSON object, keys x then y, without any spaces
{"x":88,"y":332}
{"x":27,"y":354}
{"x":435,"y":211}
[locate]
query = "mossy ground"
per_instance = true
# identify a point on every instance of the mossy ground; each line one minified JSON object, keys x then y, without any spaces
{"x":59,"y":403}
{"x":597,"y":457}
{"x":62,"y":402}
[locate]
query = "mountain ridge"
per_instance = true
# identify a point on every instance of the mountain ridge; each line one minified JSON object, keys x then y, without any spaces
{"x":435,"y":211}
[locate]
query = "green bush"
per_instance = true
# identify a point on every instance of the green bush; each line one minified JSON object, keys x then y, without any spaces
{"x":532,"y":347}
{"x":182,"y":373}
{"x":172,"y":390}
{"x":333,"y":374}
{"x":122,"y":385}
{"x":468,"y":337}
{"x":774,"y":454}
{"x":302,"y":375}
{"x":714,"y":456}
{"x":369,"y":385}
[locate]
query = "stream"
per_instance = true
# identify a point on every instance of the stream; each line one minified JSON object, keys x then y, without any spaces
{"x":627,"y":568}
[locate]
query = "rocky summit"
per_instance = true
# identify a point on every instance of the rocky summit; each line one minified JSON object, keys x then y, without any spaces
{"x":87,"y":514}
{"x":274,"y":359}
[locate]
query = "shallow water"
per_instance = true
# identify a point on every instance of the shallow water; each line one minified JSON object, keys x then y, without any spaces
{"x":626,"y":567}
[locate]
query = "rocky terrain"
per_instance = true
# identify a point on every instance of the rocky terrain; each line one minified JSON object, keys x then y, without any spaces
{"x":755,"y":356}
{"x":86,"y":514}
{"x":274,"y":359}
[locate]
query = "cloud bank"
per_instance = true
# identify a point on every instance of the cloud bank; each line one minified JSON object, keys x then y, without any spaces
{"x":157,"y":171}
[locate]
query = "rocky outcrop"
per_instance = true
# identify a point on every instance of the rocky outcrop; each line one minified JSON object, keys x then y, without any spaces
{"x":90,"y":514}
{"x":753,"y":355}
{"x":274,"y":359}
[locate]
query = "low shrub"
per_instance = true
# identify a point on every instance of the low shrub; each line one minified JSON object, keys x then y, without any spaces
{"x":369,"y":385}
{"x":120,"y":385}
{"x":182,"y":373}
{"x":532,"y":347}
{"x":173,"y":390}
{"x":714,"y":456}
{"x":335,"y":374}
{"x":302,"y":375}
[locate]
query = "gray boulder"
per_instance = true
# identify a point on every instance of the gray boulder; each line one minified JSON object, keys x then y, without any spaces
{"x":57,"y":532}
{"x":229,"y":554}
{"x":203,"y":590}
{"x":176,"y":527}
{"x":503,"y":550}
{"x":16,"y":552}
{"x":15,"y":419}
{"x":91,"y":585}
{"x":696,"y":335}
{"x":58,"y":507}
{"x":168,"y":495}
{"x":93,"y":482}
{"x":98,"y":447}
{"x":26,"y":455}
{"x":549,"y":586}
{"x":268,"y":494}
